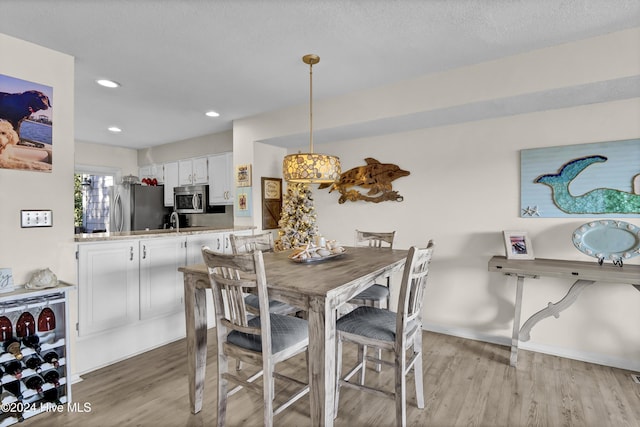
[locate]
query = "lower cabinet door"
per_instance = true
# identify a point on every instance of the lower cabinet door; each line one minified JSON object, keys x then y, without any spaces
{"x":161,"y":284}
{"x":108,"y":290}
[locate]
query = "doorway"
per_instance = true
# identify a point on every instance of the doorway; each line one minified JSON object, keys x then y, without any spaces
{"x":92,"y":201}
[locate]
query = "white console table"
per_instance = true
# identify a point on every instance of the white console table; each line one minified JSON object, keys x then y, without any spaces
{"x":586,"y":273}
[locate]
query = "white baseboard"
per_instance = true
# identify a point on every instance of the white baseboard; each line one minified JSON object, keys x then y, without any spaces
{"x":597,"y":358}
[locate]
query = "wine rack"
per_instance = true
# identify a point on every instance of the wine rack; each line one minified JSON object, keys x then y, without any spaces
{"x":44,"y":356}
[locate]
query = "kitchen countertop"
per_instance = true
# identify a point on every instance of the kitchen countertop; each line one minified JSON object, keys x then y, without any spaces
{"x":146,"y":234}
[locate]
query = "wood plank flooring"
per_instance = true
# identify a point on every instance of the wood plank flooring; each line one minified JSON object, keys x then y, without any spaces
{"x":467,"y":383}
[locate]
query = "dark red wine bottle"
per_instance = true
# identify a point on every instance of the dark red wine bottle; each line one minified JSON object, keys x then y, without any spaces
{"x":34,"y":382}
{"x":13,"y":367}
{"x":52,"y":376}
{"x":14,"y":388}
{"x":13,"y":346}
{"x":52,"y":358}
{"x":32,"y":341}
{"x":52,"y":396}
{"x":33,"y":362}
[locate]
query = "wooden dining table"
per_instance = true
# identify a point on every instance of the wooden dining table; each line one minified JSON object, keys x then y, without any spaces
{"x":316,"y":287}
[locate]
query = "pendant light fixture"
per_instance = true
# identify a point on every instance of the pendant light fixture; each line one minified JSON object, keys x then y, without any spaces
{"x":311,"y":168}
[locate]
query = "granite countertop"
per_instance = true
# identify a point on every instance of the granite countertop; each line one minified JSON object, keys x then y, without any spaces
{"x":146,"y":234}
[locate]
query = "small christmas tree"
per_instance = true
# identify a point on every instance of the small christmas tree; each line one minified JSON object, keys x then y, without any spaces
{"x":298,"y":217}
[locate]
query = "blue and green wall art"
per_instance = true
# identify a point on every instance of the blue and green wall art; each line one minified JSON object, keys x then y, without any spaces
{"x":595,"y":179}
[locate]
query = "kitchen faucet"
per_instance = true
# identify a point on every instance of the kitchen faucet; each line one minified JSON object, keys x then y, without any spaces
{"x":173,"y":219}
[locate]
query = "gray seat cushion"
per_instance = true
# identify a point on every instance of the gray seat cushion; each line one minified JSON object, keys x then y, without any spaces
{"x":370,"y":322}
{"x":285,"y":332}
{"x":277,"y":307}
{"x":374,"y":292}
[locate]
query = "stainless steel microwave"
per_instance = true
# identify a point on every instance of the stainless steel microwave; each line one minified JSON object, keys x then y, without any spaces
{"x":190,"y":199}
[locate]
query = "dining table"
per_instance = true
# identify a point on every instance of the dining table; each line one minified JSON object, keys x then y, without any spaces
{"x":317,"y":287}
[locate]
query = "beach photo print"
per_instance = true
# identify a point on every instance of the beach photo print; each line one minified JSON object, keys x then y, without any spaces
{"x":26,"y":125}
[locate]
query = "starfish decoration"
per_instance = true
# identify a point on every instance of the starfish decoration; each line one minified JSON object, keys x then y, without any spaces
{"x":530,"y":211}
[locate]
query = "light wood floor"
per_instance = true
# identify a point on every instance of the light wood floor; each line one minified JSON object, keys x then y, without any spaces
{"x":467,"y":383}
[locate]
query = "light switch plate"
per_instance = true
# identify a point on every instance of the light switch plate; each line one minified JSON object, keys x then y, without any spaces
{"x":36,"y":218}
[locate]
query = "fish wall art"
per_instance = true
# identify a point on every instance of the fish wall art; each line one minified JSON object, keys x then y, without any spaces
{"x":375,"y":177}
{"x":577,"y":180}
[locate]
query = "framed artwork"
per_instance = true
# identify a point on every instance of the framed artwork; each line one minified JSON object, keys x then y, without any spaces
{"x":518,"y":245}
{"x":6,"y":280}
{"x":243,"y":201}
{"x":271,"y":202}
{"x":243,"y":175}
{"x":26,"y":125}
{"x":580,"y":180}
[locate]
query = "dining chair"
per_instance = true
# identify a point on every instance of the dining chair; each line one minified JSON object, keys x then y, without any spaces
{"x":375,"y":294}
{"x":399,"y":333}
{"x":262,"y":341}
{"x":263,"y":242}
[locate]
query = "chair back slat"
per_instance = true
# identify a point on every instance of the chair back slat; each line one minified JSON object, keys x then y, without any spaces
{"x":244,"y":244}
{"x":375,"y":239}
{"x":231,"y":276}
{"x":414,"y":280}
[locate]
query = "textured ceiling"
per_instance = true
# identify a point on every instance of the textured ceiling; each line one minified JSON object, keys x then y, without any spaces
{"x":177,"y":59}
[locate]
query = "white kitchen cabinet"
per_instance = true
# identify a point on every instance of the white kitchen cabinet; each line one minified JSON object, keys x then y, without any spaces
{"x":161,"y":284}
{"x":108,"y":292}
{"x":170,"y":180}
{"x":221,"y":179}
{"x":193,"y":171}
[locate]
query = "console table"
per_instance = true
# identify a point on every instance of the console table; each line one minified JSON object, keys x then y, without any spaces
{"x":586,"y":273}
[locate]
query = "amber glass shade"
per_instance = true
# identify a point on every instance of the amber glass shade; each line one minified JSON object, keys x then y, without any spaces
{"x":312,"y":168}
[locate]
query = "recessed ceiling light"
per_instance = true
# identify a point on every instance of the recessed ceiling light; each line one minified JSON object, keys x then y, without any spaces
{"x":212,"y":114}
{"x":107,"y":83}
{"x":114,"y":129}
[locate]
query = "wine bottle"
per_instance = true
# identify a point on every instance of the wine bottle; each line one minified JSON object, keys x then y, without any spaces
{"x":13,"y":367}
{"x":14,"y":388}
{"x":52,"y":396}
{"x":34,"y":382}
{"x":51,"y":357}
{"x":52,"y":376}
{"x":13,"y":346}
{"x":33,"y":362}
{"x":32,"y":341}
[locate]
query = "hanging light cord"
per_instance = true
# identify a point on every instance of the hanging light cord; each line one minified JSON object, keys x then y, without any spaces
{"x":311,"y":106}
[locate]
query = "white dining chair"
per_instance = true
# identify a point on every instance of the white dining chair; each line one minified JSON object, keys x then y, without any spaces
{"x":262,"y":341}
{"x":399,"y":333}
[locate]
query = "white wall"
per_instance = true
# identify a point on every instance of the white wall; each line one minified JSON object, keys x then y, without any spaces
{"x":124,"y":160}
{"x":194,"y":147}
{"x":464,"y":190}
{"x":26,"y":250}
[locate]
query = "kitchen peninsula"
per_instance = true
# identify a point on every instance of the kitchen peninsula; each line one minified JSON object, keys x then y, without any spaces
{"x":130,"y":292}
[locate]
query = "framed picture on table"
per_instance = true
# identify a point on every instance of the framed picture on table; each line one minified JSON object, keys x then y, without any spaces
{"x":517,"y":245}
{"x":271,"y":202}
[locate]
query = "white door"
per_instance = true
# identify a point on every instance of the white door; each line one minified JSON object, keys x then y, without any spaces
{"x":185,"y":172}
{"x":108,"y":287}
{"x":221,"y":179}
{"x":200,"y":173}
{"x":161,"y":284}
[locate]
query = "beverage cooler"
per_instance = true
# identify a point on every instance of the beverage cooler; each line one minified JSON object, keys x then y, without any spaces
{"x":34,"y":362}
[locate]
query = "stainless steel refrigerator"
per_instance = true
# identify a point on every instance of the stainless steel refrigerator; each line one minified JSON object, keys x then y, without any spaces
{"x":137,"y":207}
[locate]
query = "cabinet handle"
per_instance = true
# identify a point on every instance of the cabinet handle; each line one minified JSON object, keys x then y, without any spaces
{"x":218,"y":244}
{"x":144,"y":251}
{"x":130,"y":253}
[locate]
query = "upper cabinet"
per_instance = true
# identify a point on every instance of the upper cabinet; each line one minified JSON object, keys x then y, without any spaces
{"x":193,"y":171}
{"x":170,"y":181}
{"x":221,"y":179}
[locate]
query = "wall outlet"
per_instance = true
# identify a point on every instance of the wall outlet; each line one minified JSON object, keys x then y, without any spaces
{"x":36,"y":218}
